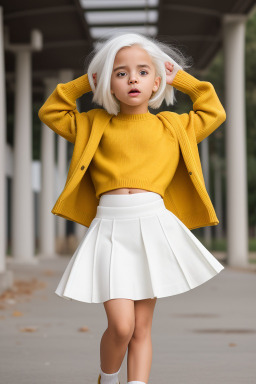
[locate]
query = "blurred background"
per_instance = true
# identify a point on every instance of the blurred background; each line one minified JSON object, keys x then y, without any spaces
{"x":209,"y":331}
{"x":46,"y":42}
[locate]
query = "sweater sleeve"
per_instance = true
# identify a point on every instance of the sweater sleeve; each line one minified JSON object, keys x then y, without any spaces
{"x":59,"y":112}
{"x":208,"y":112}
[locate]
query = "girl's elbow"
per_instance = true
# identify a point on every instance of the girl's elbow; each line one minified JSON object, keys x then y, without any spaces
{"x":41,"y":113}
{"x":222,"y":116}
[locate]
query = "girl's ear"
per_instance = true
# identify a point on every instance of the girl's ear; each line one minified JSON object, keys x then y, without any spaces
{"x":157,"y":83}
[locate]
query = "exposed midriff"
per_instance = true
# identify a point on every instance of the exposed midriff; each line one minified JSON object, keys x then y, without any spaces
{"x":124,"y":191}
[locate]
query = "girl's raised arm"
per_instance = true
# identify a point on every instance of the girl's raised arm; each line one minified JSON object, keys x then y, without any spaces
{"x":208,"y":112}
{"x":60,"y":112}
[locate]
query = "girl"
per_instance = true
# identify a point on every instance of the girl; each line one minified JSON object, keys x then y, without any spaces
{"x":135,"y":180}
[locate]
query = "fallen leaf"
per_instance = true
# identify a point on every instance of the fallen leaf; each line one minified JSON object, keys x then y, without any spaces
{"x":17,"y":313}
{"x":29,"y":329}
{"x":21,"y":291}
{"x":49,"y":272}
{"x":83,"y":329}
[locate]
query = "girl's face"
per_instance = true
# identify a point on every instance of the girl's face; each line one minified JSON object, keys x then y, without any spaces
{"x":133,"y":68}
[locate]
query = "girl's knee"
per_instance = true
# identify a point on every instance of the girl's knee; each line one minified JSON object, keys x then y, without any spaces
{"x":142,"y":331}
{"x":121,"y":318}
{"x":122,"y":330}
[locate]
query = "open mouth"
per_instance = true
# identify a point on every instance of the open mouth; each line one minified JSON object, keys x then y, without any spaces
{"x":134,"y":91}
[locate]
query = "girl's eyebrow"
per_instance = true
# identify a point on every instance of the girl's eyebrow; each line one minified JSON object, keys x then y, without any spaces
{"x":125,"y":66}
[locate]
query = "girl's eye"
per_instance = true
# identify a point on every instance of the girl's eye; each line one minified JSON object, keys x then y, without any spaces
{"x":119,"y":73}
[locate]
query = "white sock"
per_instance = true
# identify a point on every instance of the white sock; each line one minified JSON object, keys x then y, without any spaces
{"x":109,"y":378}
{"x":136,"y":382}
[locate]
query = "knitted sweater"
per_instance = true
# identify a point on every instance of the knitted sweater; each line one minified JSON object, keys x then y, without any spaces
{"x":147,"y":161}
{"x":185,"y":195}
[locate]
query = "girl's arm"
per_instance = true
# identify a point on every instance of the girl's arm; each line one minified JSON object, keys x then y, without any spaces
{"x":60,"y":112}
{"x":208,"y":112}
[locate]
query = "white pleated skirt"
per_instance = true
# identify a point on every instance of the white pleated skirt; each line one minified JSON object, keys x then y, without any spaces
{"x":135,"y":248}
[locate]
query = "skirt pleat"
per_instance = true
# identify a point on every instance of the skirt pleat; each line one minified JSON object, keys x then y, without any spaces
{"x":136,"y":249}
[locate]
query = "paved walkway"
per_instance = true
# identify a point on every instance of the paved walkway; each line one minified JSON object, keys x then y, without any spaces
{"x":204,"y":336}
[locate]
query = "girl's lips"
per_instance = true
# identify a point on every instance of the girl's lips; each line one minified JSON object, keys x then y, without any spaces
{"x":134,"y":93}
{"x":134,"y":90}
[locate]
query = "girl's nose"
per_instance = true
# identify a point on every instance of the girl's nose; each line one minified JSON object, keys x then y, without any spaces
{"x":132,"y":79}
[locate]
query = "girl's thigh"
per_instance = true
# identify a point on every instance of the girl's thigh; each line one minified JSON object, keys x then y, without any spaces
{"x":144,"y":310}
{"x":121,"y":316}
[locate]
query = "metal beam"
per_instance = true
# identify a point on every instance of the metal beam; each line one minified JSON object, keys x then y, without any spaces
{"x":118,"y":25}
{"x":83,"y":21}
{"x":191,"y":9}
{"x":67,"y":43}
{"x":171,"y":38}
{"x":118,"y":9}
{"x":39,"y":12}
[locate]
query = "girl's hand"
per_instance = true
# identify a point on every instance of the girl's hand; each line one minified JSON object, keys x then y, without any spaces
{"x":171,"y":72}
{"x":94,"y":75}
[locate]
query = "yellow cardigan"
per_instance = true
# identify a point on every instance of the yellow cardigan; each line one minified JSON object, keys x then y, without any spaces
{"x":186,"y":195}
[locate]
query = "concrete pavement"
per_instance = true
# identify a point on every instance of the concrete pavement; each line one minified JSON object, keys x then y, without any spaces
{"x":204,"y":336}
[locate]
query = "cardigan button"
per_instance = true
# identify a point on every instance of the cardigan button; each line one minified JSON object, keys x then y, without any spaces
{"x":190,"y":173}
{"x":82,"y":167}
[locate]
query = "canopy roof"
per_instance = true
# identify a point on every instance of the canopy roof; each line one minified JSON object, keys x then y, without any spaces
{"x":69,"y":27}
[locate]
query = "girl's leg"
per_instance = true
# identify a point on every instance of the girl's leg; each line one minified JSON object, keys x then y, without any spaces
{"x":114,"y":342}
{"x":139,"y":357}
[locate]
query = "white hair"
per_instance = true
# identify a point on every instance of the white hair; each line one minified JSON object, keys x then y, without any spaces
{"x":103,"y":57}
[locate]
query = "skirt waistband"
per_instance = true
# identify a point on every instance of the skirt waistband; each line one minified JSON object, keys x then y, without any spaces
{"x":129,"y":205}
